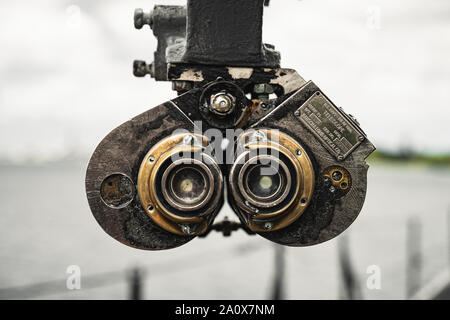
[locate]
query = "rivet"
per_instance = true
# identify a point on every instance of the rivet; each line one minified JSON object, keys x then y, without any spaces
{"x":267,"y":225}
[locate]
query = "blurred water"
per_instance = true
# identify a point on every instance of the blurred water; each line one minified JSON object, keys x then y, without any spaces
{"x":46,"y":225}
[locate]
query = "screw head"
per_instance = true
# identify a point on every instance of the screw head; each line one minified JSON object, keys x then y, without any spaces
{"x":268,"y":225}
{"x":337,"y":176}
{"x":186,"y":229}
{"x":258,"y":136}
{"x":297,"y":113}
{"x":188,"y":139}
{"x":151,"y":159}
{"x":222,"y":103}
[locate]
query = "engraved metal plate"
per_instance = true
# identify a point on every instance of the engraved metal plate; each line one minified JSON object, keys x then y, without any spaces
{"x":330,"y":126}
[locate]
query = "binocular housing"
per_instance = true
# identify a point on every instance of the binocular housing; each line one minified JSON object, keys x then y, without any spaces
{"x":289,"y":162}
{"x":159,"y":180}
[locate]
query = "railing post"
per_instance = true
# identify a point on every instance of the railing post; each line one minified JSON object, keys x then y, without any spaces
{"x":349,"y":282}
{"x":279,"y":270}
{"x":135,"y":284}
{"x":414,"y":256}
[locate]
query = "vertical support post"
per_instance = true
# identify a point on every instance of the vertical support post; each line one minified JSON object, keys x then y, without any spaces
{"x":414,"y":256}
{"x":350,"y":287}
{"x":135,"y":284}
{"x":279,"y":271}
{"x":227,"y":32}
{"x":448,"y":240}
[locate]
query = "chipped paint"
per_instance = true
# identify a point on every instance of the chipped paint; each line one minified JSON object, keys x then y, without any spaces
{"x":191,"y":75}
{"x":289,"y":79}
{"x":240,"y":73}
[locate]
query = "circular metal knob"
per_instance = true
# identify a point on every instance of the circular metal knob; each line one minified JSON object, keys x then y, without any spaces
{"x":141,"y":68}
{"x":142,"y":18}
{"x":222,"y":103}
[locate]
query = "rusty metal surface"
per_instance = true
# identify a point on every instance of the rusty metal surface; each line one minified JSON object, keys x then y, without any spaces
{"x":215,"y":28}
{"x":328,"y":214}
{"x":169,"y":26}
{"x":122,"y":151}
{"x":330,"y":211}
{"x":285,"y":81}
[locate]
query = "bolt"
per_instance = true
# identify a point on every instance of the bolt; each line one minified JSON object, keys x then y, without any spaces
{"x":222,"y":103}
{"x":332,"y":189}
{"x":361,"y":138}
{"x":142,"y":18}
{"x":340,"y":157}
{"x":337,"y":176}
{"x":258,"y":136}
{"x":297,"y":113}
{"x":268,"y":225}
{"x":141,"y":68}
{"x":186,"y":230}
{"x":188,"y":139}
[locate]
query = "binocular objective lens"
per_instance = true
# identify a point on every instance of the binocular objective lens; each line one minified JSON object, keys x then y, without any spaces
{"x":263,"y":181}
{"x":188,"y":185}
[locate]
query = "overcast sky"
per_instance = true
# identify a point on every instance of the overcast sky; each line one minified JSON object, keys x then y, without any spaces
{"x":66,"y":81}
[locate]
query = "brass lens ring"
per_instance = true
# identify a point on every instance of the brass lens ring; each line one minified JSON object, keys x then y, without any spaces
{"x":289,"y":190}
{"x":179,"y":185}
{"x":273,"y":199}
{"x":173,"y":198}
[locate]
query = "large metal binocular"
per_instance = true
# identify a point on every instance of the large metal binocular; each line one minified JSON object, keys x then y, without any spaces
{"x":289,"y":162}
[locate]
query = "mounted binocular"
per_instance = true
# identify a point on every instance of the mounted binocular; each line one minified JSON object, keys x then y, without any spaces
{"x":289,"y":162}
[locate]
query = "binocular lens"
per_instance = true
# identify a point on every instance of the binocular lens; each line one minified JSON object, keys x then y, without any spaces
{"x":263,"y":181}
{"x":180,"y":186}
{"x":187,"y":184}
{"x":271,"y":180}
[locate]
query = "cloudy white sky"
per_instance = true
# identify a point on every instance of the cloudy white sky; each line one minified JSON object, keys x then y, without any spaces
{"x":66,"y":81}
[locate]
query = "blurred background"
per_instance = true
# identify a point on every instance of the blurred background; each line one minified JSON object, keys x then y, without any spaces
{"x":66,"y":81}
